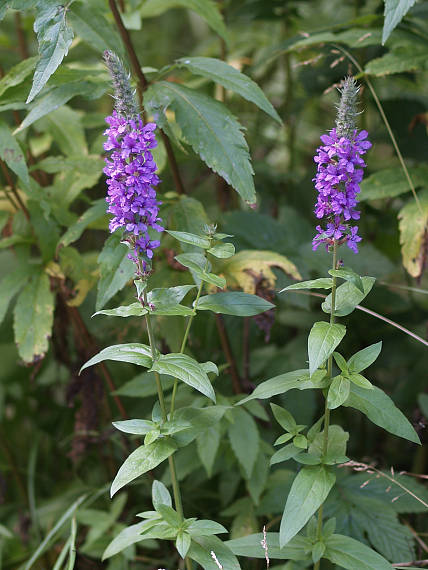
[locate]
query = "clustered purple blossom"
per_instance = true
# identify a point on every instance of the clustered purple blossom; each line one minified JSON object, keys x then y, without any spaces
{"x":338,"y":178}
{"x":131,"y":173}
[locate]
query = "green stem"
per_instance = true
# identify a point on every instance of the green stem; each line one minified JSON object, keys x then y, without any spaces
{"x":184,"y":342}
{"x":172,"y":469}
{"x":326,"y":409}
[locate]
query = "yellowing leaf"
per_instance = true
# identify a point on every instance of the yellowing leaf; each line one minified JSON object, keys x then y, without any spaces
{"x":244,"y":268}
{"x":413,"y":234}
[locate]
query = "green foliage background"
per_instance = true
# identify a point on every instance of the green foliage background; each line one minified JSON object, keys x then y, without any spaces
{"x":58,"y":264}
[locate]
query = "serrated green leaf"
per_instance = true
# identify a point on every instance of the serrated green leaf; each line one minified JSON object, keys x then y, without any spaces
{"x":143,"y":459}
{"x":207,"y":9}
{"x":133,"y":352}
{"x":33,"y":317}
{"x":12,"y":155}
{"x":381,"y":410}
{"x":364,"y":358}
{"x":412,"y":225}
{"x":191,"y":239}
{"x":211,"y":130}
{"x":54,"y":37}
{"x":322,"y":283}
{"x":391,"y":182}
{"x":244,"y":440}
{"x":401,"y":60}
{"x":348,"y":297}
{"x":395,"y":10}
{"x":309,"y":490}
{"x":338,"y":392}
{"x":186,"y":369}
{"x":234,"y":303}
{"x":323,"y":339}
{"x":226,"y":75}
{"x":115,"y":269}
{"x":281,"y":384}
{"x":351,"y":554}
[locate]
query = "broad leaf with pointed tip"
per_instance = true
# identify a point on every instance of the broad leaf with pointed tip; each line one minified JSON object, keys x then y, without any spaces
{"x":234,"y":303}
{"x":132,"y":352}
{"x":323,"y":340}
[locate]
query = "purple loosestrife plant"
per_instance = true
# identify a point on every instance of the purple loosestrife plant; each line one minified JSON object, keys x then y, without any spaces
{"x":339,"y":174}
{"x":131,"y":171}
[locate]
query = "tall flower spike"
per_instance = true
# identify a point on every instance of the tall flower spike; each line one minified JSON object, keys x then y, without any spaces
{"x":131,"y":170}
{"x":339,"y":173}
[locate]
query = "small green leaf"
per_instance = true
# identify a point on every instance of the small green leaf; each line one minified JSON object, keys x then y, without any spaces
{"x":348,"y":297}
{"x":192,"y":239}
{"x":336,"y":447}
{"x":226,"y":75}
{"x":10,"y":285}
{"x":341,"y":362}
{"x":381,"y":410}
{"x":205,"y":528}
{"x":160,"y":495}
{"x":244,"y":440}
{"x":137,"y":427}
{"x":365,"y":357}
{"x":182,"y":543}
{"x":308,"y":492}
{"x":284,"y":418}
{"x":169,"y":515}
{"x":222,"y":250}
{"x":133,"y":352}
{"x":348,"y":275}
{"x":250,"y":546}
{"x":234,"y":303}
{"x":143,"y":459}
{"x":290,"y":451}
{"x":129,"y":535}
{"x":323,"y":339}
{"x":338,"y":392}
{"x":351,"y":554}
{"x":317,"y":551}
{"x":322,"y":283}
{"x":361,"y":381}
{"x":54,"y":37}
{"x":132,"y":310}
{"x":300,"y":441}
{"x":283,"y":438}
{"x":186,"y":369}
{"x":151,"y":436}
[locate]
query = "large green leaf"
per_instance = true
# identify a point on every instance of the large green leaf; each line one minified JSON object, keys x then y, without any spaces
{"x":126,"y":537}
{"x":33,"y":317}
{"x":54,"y":37}
{"x":92,"y":26}
{"x":234,"y":303}
{"x":143,"y":459}
{"x":391,"y":182}
{"x":323,"y":339}
{"x":244,"y":439}
{"x":402,"y":60}
{"x":413,"y":224}
{"x":206,"y":9}
{"x":395,"y":10}
{"x":226,"y":75}
{"x":11,"y":153}
{"x":349,"y":553}
{"x":308,"y":492}
{"x":115,"y":268}
{"x":281,"y":384}
{"x":322,"y":283}
{"x":133,"y":352}
{"x":348,"y":296}
{"x":364,"y":358}
{"x":210,"y":128}
{"x":381,"y":410}
{"x":250,"y":547}
{"x":186,"y":369}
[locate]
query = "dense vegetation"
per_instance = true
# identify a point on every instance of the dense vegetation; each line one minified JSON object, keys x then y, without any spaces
{"x":241,"y":91}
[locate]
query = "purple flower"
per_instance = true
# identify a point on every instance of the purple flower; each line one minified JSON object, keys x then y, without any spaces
{"x":131,"y":175}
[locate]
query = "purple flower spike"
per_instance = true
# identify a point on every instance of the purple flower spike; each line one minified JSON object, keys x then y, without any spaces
{"x":339,"y":174}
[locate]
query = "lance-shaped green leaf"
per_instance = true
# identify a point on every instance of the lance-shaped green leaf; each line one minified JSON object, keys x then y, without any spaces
{"x":192,"y":239}
{"x":212,"y":131}
{"x":33,"y":317}
{"x":166,"y":301}
{"x":17,"y":74}
{"x":137,"y":427}
{"x":11,"y":284}
{"x":395,"y":10}
{"x":226,"y":75}
{"x":348,"y":297}
{"x":54,"y":37}
{"x":129,"y":535}
{"x":95,"y":212}
{"x":92,"y":26}
{"x":160,"y":494}
{"x":132,"y":310}
{"x":322,"y":283}
{"x":115,"y":268}
{"x":186,"y":369}
{"x":202,"y":547}
{"x":143,"y":459}
{"x":308,"y":492}
{"x":250,"y":546}
{"x":205,"y":528}
{"x":234,"y":303}
{"x":348,"y":275}
{"x":338,"y":392}
{"x":11,"y":154}
{"x":349,"y":553}
{"x":222,"y":250}
{"x":381,"y":410}
{"x":196,"y":262}
{"x":364,"y":358}
{"x":323,"y":340}
{"x":133,"y":352}
{"x":244,"y":439}
{"x":297,"y":379}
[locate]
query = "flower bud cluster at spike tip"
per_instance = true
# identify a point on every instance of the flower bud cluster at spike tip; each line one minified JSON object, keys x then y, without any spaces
{"x":131,"y":175}
{"x":339,"y":174}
